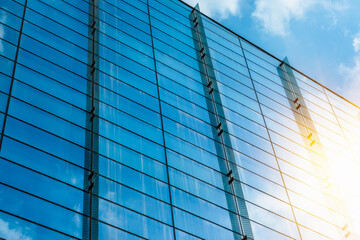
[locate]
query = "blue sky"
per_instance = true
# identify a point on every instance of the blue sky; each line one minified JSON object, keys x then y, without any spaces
{"x":320,"y":37}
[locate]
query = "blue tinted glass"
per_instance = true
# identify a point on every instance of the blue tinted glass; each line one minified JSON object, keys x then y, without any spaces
{"x":50,"y":86}
{"x":201,"y":227}
{"x":47,"y":122}
{"x":8,"y":34}
{"x":51,"y":70}
{"x":4,"y":83}
{"x":135,"y":200}
{"x":13,"y":7}
{"x":50,"y":189}
{"x":48,"y":103}
{"x":55,"y":26}
{"x":42,"y":162}
{"x":53,"y":55}
{"x":56,"y":42}
{"x":44,"y":141}
{"x":3,"y":102}
{"x":144,"y":126}
{"x":1,"y":121}
{"x":136,"y":180}
{"x":122,"y":154}
{"x":133,"y":124}
{"x":67,"y":20}
{"x":109,"y":232}
{"x":16,"y":228}
{"x":6,"y":66}
{"x":138,"y":90}
{"x":129,"y":220}
{"x":132,"y":140}
{"x":40,"y":211}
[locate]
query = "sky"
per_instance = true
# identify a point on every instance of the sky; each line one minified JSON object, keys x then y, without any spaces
{"x":321,"y":38}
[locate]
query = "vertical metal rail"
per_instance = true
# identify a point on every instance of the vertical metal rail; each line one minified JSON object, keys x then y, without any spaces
{"x":162,"y":123}
{"x":272,"y":146}
{"x":297,"y":103}
{"x":13,"y":75}
{"x":241,"y":223}
{"x":305,"y":124}
{"x":91,"y":183}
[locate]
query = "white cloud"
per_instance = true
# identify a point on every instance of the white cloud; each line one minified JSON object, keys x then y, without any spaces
{"x":275,"y":15}
{"x":351,"y":74}
{"x":2,"y":30}
{"x":11,"y":233}
{"x":351,"y":80}
{"x":356,"y":43}
{"x":222,"y":8}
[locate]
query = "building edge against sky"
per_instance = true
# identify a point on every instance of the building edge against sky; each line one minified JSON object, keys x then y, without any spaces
{"x":145,"y":119}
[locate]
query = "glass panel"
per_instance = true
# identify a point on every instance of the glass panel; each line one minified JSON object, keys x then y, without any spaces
{"x":18,"y":229}
{"x":43,"y":212}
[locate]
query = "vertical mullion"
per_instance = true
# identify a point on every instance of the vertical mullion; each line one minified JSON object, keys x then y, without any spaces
{"x":315,"y":150}
{"x":272,"y":146}
{"x":91,"y":183}
{"x":161,"y":121}
{"x":211,"y":88}
{"x":13,"y":74}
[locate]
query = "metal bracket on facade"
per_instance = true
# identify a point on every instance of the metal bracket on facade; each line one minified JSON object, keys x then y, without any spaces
{"x":231,"y":180}
{"x":303,"y":119}
{"x":229,"y":175}
{"x":92,"y":71}
{"x":211,"y":90}
{"x":346,"y":230}
{"x":216,"y":111}
{"x":91,"y":179}
{"x":92,"y":113}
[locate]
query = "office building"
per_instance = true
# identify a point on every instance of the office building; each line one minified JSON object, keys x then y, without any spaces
{"x":145,"y":119}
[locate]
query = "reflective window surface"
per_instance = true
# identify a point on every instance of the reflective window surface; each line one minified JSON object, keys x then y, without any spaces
{"x":145,"y":119}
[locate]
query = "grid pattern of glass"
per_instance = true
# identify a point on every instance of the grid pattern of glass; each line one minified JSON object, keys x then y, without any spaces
{"x":145,"y":119}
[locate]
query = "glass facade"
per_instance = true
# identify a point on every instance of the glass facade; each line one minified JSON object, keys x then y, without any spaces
{"x":145,"y":119}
